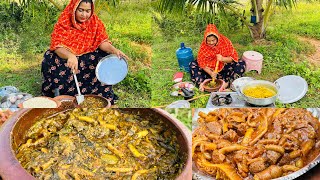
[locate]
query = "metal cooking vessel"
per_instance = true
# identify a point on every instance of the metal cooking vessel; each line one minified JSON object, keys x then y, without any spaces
{"x":259,"y":101}
{"x":107,"y":103}
{"x":12,"y":134}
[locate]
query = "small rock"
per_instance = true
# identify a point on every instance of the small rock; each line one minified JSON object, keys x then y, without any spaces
{"x":6,"y":104}
{"x":13,"y":106}
{"x":175,"y":93}
{"x":20,"y":96}
{"x":13,"y":99}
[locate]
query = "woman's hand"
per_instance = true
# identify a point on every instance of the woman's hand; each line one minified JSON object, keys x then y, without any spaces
{"x":107,"y":47}
{"x":72,"y":63}
{"x":120,"y":54}
{"x":224,"y":59}
{"x":213,"y":75}
{"x":210,"y":72}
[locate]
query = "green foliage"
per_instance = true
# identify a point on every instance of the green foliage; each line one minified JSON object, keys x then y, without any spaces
{"x":222,"y":7}
{"x":31,"y":27}
{"x":36,"y":30}
{"x":129,"y":28}
{"x":132,"y":22}
{"x":139,"y":82}
{"x":10,"y":16}
{"x":190,"y":21}
{"x":20,"y":71}
{"x":182,"y":114}
{"x":303,"y":21}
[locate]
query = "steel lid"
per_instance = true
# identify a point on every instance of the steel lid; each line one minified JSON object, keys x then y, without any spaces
{"x":179,"y":104}
{"x":292,"y":88}
{"x":111,"y":70}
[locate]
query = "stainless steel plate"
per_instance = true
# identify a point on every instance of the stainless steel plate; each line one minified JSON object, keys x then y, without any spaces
{"x":111,"y":70}
{"x":198,"y":175}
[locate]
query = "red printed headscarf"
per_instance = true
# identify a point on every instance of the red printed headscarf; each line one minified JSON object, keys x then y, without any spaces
{"x":78,"y":38}
{"x":207,"y":54}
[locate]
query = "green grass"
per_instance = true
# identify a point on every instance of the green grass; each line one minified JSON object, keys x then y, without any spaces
{"x":283,"y":53}
{"x":129,"y":28}
{"x":182,"y":114}
{"x":303,"y":20}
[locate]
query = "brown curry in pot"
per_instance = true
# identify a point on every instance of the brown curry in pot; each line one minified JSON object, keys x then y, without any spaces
{"x":258,"y":144}
{"x":101,"y":144}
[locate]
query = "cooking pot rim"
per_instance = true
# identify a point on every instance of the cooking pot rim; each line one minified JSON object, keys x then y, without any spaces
{"x":9,"y":164}
{"x":74,"y":101}
{"x":255,"y":82}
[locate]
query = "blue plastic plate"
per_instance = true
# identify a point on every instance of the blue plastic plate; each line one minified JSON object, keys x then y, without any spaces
{"x":111,"y":70}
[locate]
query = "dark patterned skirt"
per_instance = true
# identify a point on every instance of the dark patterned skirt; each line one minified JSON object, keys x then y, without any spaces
{"x":57,"y":76}
{"x":228,"y":74}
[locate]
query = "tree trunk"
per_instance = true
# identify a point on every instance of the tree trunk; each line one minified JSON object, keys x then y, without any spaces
{"x":257,"y":30}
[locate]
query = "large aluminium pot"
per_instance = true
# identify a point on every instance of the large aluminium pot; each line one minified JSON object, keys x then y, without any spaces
{"x":259,"y":101}
{"x":12,"y":134}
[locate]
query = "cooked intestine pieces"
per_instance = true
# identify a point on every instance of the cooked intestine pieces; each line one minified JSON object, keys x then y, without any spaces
{"x":271,"y":172}
{"x":205,"y":146}
{"x":287,"y":168}
{"x":221,"y":171}
{"x":276,"y":148}
{"x":260,"y":143}
{"x":307,"y":146}
{"x":231,"y":148}
{"x":294,"y":154}
{"x":261,"y":130}
{"x":202,"y":115}
{"x":115,"y":151}
{"x":243,"y":169}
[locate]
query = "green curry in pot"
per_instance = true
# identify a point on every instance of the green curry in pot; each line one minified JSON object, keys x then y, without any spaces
{"x":100,"y":144}
{"x":94,"y":102}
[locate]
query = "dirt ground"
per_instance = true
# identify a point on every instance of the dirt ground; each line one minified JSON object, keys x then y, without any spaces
{"x":314,"y":58}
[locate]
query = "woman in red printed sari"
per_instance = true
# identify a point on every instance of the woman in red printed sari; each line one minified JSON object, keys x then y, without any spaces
{"x":79,"y":40}
{"x":217,"y":58}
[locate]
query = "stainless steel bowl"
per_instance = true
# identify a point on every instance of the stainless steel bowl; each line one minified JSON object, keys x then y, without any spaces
{"x":259,"y":101}
{"x":240,"y":82}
